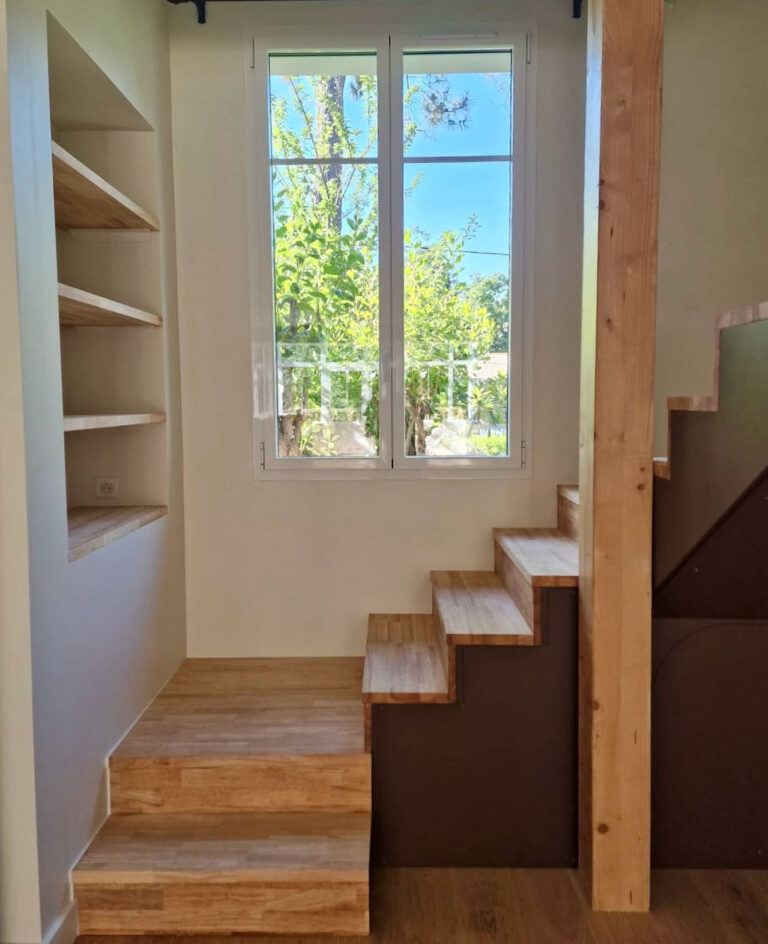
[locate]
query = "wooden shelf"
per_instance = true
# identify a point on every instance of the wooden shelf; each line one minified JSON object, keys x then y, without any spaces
{"x":86,"y":201}
{"x":75,"y":422}
{"x":78,"y":308}
{"x":91,"y":528}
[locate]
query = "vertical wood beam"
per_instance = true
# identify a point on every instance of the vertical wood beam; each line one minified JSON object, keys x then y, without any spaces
{"x":616,"y":474}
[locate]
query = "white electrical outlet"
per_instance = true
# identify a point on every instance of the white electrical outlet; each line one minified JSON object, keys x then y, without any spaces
{"x":107,"y":488}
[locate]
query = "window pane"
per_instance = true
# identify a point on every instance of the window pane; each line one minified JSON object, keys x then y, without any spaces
{"x":326,"y":281}
{"x":457,"y":303}
{"x":323,"y":106}
{"x":457,"y":104}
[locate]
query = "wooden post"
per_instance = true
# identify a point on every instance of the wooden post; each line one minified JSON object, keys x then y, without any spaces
{"x":617,"y":359}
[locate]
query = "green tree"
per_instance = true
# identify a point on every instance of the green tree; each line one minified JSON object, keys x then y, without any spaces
{"x":326,"y":270}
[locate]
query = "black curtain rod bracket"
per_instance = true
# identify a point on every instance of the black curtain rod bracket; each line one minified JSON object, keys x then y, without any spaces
{"x":200,"y":6}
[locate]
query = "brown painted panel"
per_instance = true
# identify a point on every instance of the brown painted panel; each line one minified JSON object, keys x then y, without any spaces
{"x":716,"y":455}
{"x":709,"y":744}
{"x":726,"y":574}
{"x":491,"y":780}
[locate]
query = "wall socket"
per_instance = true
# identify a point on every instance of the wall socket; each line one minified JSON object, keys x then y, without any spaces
{"x":107,"y":488}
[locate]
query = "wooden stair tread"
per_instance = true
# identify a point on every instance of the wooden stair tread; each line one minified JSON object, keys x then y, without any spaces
{"x":269,"y":846}
{"x":253,"y":707}
{"x":475,"y":609}
{"x":546,"y":557}
{"x":404,"y":660}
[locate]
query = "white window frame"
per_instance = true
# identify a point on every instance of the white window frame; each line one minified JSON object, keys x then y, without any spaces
{"x":392,"y":461}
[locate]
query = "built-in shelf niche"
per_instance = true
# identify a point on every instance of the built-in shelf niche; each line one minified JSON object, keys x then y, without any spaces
{"x":106,"y":187}
{"x":86,"y":201}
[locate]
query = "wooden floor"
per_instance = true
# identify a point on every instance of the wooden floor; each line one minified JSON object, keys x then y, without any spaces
{"x":540,"y":906}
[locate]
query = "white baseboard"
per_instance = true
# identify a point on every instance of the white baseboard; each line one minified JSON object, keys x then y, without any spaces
{"x":63,"y":931}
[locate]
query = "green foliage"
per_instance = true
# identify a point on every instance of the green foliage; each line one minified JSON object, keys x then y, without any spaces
{"x":326,"y":277}
{"x":495,"y":444}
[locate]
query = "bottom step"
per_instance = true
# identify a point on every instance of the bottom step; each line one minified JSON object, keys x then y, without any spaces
{"x":280,"y":873}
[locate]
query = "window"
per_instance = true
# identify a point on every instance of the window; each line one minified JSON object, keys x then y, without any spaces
{"x":389,"y":299}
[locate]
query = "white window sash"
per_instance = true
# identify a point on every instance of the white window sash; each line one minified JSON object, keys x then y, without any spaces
{"x":390,"y":161}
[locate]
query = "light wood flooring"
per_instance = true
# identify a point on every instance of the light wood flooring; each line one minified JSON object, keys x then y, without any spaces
{"x":542,"y":906}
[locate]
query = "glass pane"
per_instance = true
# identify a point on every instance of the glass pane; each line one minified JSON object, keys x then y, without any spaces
{"x":323,"y":106}
{"x":326,"y":281}
{"x":457,"y":104}
{"x":457,"y":303}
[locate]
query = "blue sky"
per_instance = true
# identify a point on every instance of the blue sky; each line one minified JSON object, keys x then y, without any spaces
{"x":448,"y":195}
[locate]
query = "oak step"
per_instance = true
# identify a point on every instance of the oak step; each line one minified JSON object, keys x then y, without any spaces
{"x":546,"y":557}
{"x":568,"y":510}
{"x":268,"y":784}
{"x":474,"y":609}
{"x":528,"y":559}
{"x":405,"y":660}
{"x":248,"y":735}
{"x":249,"y":873}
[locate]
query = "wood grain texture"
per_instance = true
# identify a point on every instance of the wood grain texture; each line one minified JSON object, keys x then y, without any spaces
{"x":525,"y":596}
{"x":91,"y":528}
{"x":229,"y":783}
{"x":475,"y":610}
{"x":78,"y":308}
{"x":280,"y":873}
{"x":543,"y":906}
{"x":83,"y":200}
{"x":241,"y":800}
{"x":662,"y":467}
{"x":406,"y":660}
{"x":253,"y":707}
{"x":568,"y":510}
{"x":277,"y":682}
{"x":623,"y":124}
{"x":545,"y":557}
{"x":77,"y":422}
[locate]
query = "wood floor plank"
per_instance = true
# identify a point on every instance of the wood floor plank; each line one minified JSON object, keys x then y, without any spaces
{"x":475,"y":610}
{"x":405,"y":660}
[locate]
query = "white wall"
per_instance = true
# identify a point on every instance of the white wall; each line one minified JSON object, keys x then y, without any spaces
{"x":107,"y":630}
{"x":19,"y":899}
{"x":713,"y":233}
{"x":293,"y":568}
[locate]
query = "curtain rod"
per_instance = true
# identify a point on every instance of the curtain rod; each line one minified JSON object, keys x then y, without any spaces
{"x":200,"y":5}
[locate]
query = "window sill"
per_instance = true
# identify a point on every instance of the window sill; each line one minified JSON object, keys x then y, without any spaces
{"x":389,"y":475}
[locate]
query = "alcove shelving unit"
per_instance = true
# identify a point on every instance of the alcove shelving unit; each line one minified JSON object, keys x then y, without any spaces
{"x":86,"y":201}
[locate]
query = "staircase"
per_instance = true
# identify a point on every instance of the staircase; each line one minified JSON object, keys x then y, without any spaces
{"x":710,"y":631}
{"x":718,"y":444}
{"x":241,"y":799}
{"x":470,"y":710}
{"x":411,"y":657}
{"x":240,"y":802}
